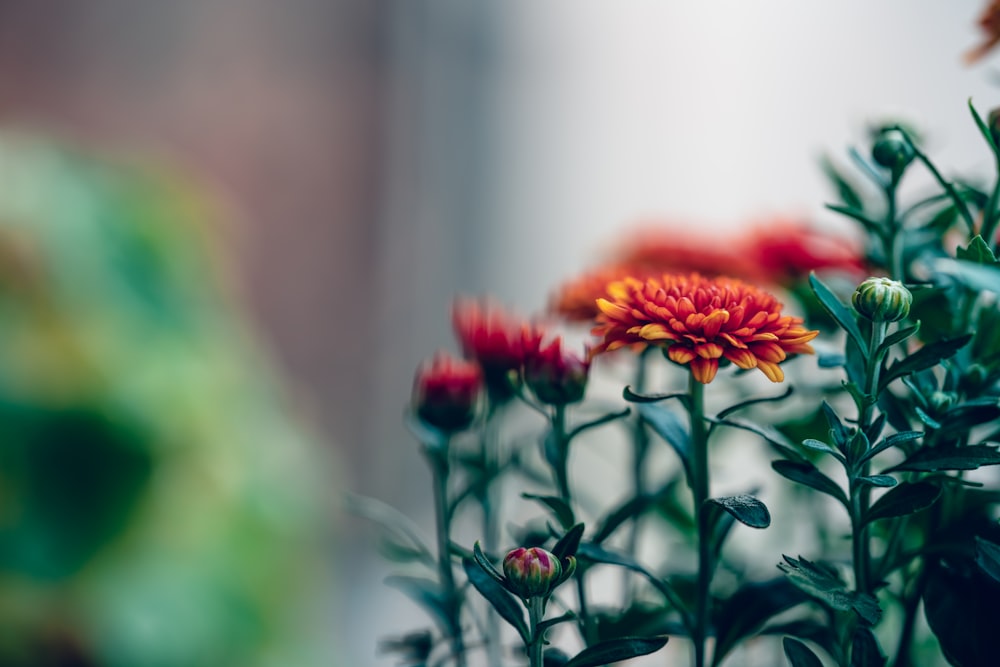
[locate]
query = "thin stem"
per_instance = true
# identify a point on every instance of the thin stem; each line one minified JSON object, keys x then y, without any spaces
{"x":439,"y":466}
{"x":893,"y":237}
{"x":490,"y":501}
{"x":536,"y":612}
{"x":640,"y":450}
{"x":700,"y":484}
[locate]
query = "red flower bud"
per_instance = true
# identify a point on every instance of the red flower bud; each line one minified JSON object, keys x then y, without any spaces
{"x":532,"y":572}
{"x":494,"y":339}
{"x":446,"y":391}
{"x":555,"y":377}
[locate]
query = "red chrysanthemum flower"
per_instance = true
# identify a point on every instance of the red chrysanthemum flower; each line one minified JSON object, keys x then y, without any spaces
{"x":446,"y":391}
{"x":784,"y":251}
{"x":494,"y":339}
{"x":576,"y":300}
{"x":700,"y":321}
{"x":556,"y":377}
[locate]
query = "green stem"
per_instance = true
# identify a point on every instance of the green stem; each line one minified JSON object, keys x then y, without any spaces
{"x":861,"y":493}
{"x":490,"y":501}
{"x":892,"y":240}
{"x":640,"y":450}
{"x":700,"y":484}
{"x":438,"y":459}
{"x":536,"y":612}
{"x":990,"y":217}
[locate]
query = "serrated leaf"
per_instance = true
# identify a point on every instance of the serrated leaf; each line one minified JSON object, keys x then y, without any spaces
{"x":926,"y":357}
{"x":865,"y":651}
{"x":569,"y":543}
{"x":616,"y":650}
{"x":508,"y":608}
{"x":907,"y":498}
{"x":988,"y":557}
{"x":560,"y":509}
{"x":838,"y":312}
{"x":809,"y":475}
{"x":745,"y":509}
{"x":669,"y":426}
{"x":748,"y":609}
{"x":978,"y":251}
{"x":933,"y":459}
{"x":822,"y":583}
{"x":799,"y":655}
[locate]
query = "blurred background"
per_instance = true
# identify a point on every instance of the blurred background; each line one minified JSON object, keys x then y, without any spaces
{"x":231,"y":229}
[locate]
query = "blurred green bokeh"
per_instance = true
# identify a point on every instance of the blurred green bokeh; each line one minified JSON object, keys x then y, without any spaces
{"x":159,"y":503}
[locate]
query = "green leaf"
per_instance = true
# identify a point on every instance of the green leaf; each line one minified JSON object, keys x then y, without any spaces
{"x":798,"y":654}
{"x":988,"y":557}
{"x":616,"y":650}
{"x":499,"y":597}
{"x":984,"y":130}
{"x":630,"y":508}
{"x":560,"y":509}
{"x":820,"y":446}
{"x":428,"y":436}
{"x":839,"y":312}
{"x":633,"y":397}
{"x":806,"y":473}
{"x":569,"y":543}
{"x":600,"y":421}
{"x":933,"y":459}
{"x":978,"y":252}
{"x":773,"y":436}
{"x":977,"y":277}
{"x":960,"y":604}
{"x":907,"y":498}
{"x":755,"y":401}
{"x":896,"y":338}
{"x":748,"y":609}
{"x":855,"y":214}
{"x":926,"y":357}
{"x":745,"y":509}
{"x":865,"y":651}
{"x":893,"y":440}
{"x":669,"y":426}
{"x":884,"y":481}
{"x":845,"y":189}
{"x":486,"y":565}
{"x":822,"y":582}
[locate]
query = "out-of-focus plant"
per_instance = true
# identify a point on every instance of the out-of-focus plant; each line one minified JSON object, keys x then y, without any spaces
{"x":157,"y":502}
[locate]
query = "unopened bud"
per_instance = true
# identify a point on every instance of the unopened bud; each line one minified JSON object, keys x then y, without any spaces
{"x":892,"y":151}
{"x":532,"y":572}
{"x":556,"y":377}
{"x":446,"y":392}
{"x":882,"y":300}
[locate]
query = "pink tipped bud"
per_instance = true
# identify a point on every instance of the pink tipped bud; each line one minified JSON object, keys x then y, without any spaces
{"x":532,"y":572}
{"x":446,"y":392}
{"x":556,"y":377}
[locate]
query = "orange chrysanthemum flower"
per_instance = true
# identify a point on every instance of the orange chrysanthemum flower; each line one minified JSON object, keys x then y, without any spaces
{"x":701,"y":321}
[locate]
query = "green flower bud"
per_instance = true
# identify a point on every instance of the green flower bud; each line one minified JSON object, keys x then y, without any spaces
{"x":532,"y":572}
{"x":892,"y":151}
{"x":882,"y":300}
{"x":942,"y":400}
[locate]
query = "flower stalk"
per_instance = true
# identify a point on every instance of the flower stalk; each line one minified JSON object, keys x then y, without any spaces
{"x":700,"y":484}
